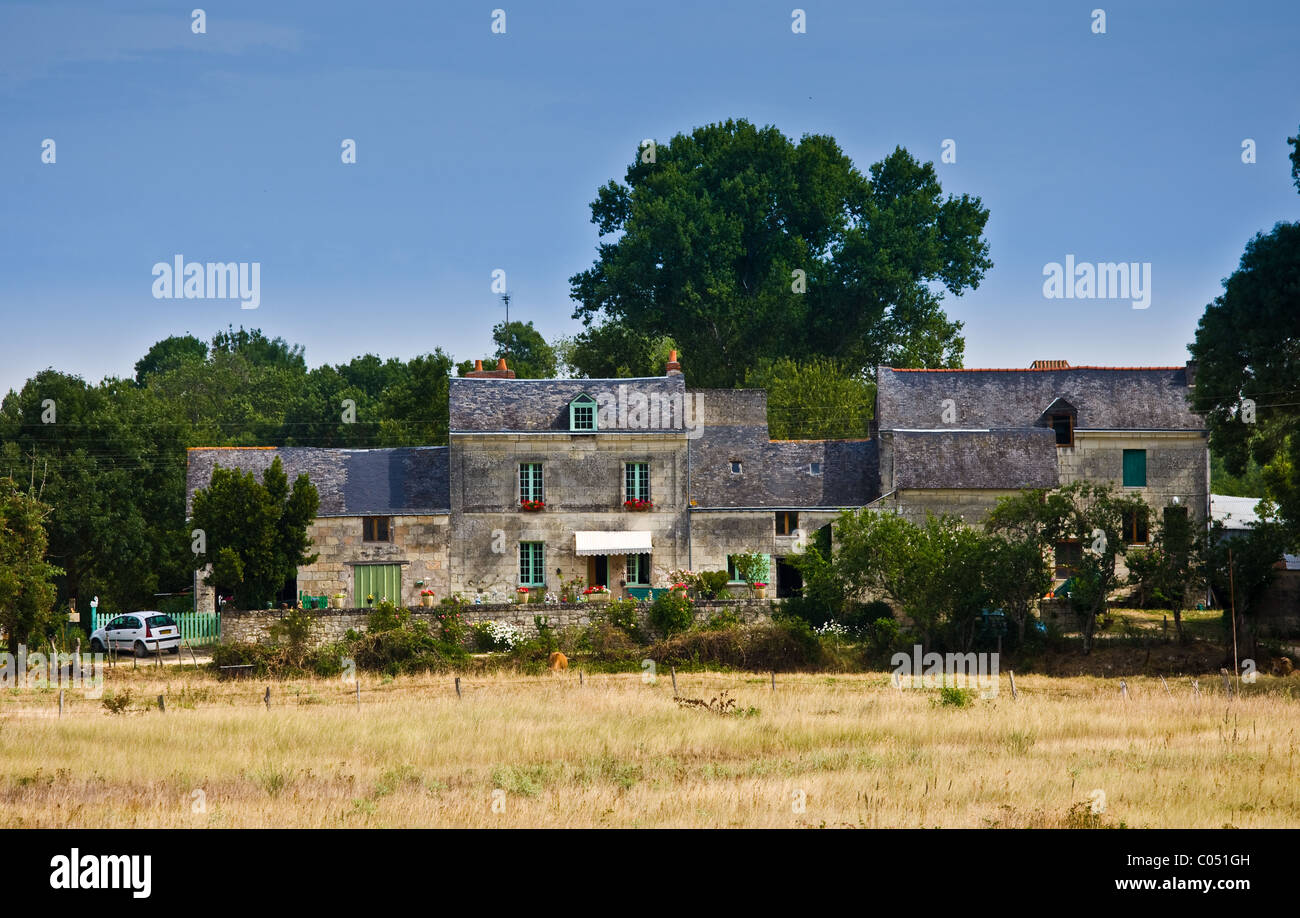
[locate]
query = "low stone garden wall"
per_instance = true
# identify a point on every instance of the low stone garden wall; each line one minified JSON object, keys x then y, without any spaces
{"x":253,"y":626}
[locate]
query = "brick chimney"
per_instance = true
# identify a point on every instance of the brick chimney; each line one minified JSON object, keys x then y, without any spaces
{"x":674,"y":368}
{"x":1191,"y":374}
{"x":501,"y":372}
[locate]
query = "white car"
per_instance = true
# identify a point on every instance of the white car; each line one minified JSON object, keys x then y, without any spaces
{"x":138,"y":632}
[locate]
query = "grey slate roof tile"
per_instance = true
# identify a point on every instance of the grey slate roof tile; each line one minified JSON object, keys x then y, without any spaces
{"x":491,"y":404}
{"x":1000,"y":459}
{"x":351,"y":482}
{"x":1105,"y":398}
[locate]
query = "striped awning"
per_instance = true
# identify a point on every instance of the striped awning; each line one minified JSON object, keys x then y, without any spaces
{"x":612,"y":543}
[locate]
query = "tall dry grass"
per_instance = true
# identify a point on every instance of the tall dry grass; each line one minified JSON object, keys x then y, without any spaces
{"x":834,"y":751}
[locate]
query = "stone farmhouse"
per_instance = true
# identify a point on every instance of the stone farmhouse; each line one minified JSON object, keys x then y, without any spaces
{"x":620,"y":481}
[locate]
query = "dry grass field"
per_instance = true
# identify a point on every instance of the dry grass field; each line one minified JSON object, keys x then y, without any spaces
{"x":516,"y":750}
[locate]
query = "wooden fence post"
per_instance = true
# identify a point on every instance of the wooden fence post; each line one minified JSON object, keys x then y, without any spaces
{"x":774,"y":680}
{"x":268,"y":698}
{"x":458,"y":686}
{"x":1012,"y":674}
{"x":60,"y":702}
{"x":673,"y":670}
{"x":162,"y":704}
{"x":579,"y":677}
{"x":1123,"y":689}
{"x":358,"y":694}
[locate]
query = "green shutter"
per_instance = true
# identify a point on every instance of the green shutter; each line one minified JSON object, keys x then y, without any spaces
{"x":532,"y":564}
{"x":1135,"y":468}
{"x":378,"y":580}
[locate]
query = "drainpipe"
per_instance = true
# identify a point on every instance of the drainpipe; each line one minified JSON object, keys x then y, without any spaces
{"x":689,"y":564}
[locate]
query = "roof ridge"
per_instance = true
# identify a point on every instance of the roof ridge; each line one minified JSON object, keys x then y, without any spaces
{"x":1018,"y":369}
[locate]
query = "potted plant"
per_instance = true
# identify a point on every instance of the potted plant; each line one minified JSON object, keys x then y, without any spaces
{"x":370,"y":599}
{"x":638,"y":503}
{"x":336,"y":601}
{"x":532,"y":505}
{"x":521,"y":594}
{"x":426,"y":598}
{"x":597,"y":593}
{"x":760,"y":591}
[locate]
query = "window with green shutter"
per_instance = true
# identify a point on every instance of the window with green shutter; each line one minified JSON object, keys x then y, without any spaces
{"x":764,"y":573}
{"x":636,"y":480}
{"x":532,"y":564}
{"x":1135,"y":468}
{"x":530,"y":481}
{"x":638,"y":570}
{"x":382,"y":581}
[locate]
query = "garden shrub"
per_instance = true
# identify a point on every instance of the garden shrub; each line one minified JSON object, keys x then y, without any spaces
{"x":671,"y":613}
{"x":494,"y":636}
{"x":622,"y":614}
{"x":779,"y":645}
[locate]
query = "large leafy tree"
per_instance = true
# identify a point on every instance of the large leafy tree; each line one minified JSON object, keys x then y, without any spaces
{"x":613,"y":351}
{"x":525,"y":350}
{"x":109,"y":460}
{"x":931,"y":572}
{"x":1024,"y":529}
{"x":814,"y":399}
{"x":255,"y":533}
{"x":27,"y":591}
{"x":1247,"y":348}
{"x":168,"y":354}
{"x":712,"y":228}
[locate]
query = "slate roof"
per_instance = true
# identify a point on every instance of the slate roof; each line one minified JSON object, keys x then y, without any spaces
{"x":774,"y":473}
{"x":351,"y":482}
{"x":1119,"y":398}
{"x":995,"y":459}
{"x":538,"y":405}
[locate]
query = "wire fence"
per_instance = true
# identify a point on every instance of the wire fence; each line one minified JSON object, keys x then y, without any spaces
{"x":273,"y":694}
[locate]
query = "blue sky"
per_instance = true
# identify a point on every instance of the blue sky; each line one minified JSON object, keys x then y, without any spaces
{"x":478,"y":151}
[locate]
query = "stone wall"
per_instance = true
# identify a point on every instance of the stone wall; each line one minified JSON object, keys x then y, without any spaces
{"x":254,"y":625}
{"x":1177,"y":465}
{"x":419,"y":543}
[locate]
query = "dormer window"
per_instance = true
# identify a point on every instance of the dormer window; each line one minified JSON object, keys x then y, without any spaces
{"x":1063,"y":424}
{"x":582,"y":413}
{"x":1062,"y":417}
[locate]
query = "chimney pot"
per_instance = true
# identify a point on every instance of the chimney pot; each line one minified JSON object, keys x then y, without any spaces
{"x":501,"y":363}
{"x":478,"y":366}
{"x":674,"y":368}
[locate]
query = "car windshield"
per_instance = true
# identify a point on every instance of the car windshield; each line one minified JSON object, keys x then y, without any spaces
{"x":160,"y":621}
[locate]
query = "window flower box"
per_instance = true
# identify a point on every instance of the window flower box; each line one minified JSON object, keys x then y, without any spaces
{"x":532,"y":506}
{"x":521,"y":594}
{"x":637,"y":503}
{"x":596,"y":594}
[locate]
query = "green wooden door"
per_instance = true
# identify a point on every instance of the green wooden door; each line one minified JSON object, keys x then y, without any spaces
{"x":382,"y":581}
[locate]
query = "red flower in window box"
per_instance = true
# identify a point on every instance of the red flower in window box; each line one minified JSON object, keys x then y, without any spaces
{"x":532,"y":504}
{"x":638,"y":504}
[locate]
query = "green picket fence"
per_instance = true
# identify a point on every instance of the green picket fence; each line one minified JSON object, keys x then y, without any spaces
{"x":198,"y":629}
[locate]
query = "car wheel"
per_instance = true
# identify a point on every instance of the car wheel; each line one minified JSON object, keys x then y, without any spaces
{"x":96,"y":646}
{"x":177,"y":650}
{"x":140,"y":649}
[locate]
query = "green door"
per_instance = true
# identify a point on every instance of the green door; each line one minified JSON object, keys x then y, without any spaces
{"x":382,"y":581}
